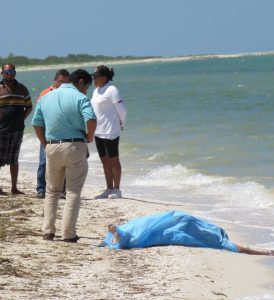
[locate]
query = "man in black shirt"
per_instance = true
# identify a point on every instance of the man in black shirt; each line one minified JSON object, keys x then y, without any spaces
{"x":15,"y":106}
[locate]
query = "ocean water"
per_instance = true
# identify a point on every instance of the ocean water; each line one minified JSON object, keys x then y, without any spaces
{"x":199,"y":131}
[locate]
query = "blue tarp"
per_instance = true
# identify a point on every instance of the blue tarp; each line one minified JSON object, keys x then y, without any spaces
{"x":169,"y":228}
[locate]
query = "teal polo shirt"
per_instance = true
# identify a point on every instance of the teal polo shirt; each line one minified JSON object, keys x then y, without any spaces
{"x":64,"y":113}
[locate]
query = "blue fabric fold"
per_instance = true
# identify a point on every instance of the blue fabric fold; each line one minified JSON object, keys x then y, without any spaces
{"x":169,"y":228}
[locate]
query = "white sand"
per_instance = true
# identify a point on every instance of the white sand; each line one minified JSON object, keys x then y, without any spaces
{"x":31,"y":268}
{"x":142,"y":60}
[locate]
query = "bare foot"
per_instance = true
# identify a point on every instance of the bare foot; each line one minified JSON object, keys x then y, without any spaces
{"x":112,"y":229}
{"x":17,"y":192}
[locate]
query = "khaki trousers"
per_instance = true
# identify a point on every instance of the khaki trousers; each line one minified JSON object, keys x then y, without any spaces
{"x":64,"y":160}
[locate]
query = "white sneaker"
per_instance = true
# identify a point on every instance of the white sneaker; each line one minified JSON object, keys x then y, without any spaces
{"x":115,"y":193}
{"x":104,"y":195}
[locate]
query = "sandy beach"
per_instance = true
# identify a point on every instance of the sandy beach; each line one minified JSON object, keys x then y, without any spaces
{"x":32,"y":268}
{"x":142,"y":61}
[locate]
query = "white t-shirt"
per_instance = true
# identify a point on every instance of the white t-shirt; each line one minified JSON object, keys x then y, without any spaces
{"x":110,"y":111}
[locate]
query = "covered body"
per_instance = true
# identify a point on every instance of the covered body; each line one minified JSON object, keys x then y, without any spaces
{"x":169,"y":228}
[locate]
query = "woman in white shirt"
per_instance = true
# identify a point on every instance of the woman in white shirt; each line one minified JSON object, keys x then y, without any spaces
{"x":110,"y":111}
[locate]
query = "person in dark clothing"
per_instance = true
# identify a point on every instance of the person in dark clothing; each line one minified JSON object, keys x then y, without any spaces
{"x":15,"y":107}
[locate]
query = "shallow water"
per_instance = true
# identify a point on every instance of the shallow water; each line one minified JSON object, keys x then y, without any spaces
{"x":198,"y":132}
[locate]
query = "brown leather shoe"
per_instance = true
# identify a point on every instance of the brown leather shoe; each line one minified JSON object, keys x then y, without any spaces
{"x":73,"y":240}
{"x":49,"y":236}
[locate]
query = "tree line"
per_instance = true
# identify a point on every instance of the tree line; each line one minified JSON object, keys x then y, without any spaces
{"x":20,"y":60}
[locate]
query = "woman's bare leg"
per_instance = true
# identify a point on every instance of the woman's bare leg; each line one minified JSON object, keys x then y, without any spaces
{"x":251,"y":251}
{"x":108,"y":171}
{"x":116,"y":171}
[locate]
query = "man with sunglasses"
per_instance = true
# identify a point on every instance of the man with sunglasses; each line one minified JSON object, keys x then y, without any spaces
{"x":15,"y":106}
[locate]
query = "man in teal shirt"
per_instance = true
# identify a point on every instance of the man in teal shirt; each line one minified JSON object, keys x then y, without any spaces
{"x":64,"y":122}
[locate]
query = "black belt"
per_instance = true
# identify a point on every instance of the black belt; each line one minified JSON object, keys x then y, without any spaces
{"x":65,"y":141}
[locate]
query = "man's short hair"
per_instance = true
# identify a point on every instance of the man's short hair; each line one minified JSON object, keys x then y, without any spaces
{"x":80,"y":74}
{"x":8,"y":64}
{"x":61,"y":72}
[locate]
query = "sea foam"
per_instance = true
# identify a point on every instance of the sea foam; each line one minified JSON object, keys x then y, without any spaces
{"x":228,"y":189}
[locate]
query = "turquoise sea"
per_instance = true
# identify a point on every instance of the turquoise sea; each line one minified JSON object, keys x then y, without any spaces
{"x":199,"y":131}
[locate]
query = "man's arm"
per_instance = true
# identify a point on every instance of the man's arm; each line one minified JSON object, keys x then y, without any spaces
{"x":40,"y":132}
{"x":27,"y":112}
{"x":28,"y":103}
{"x":91,"y":126}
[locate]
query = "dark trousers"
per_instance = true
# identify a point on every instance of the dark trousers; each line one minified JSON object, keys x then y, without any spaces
{"x":41,"y":172}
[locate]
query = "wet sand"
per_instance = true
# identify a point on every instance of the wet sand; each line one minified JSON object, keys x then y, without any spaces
{"x":31,"y":268}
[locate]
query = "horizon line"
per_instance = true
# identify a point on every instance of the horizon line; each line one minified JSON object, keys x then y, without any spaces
{"x":136,"y":60}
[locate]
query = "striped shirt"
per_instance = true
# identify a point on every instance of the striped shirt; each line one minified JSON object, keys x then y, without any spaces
{"x":13,"y":104}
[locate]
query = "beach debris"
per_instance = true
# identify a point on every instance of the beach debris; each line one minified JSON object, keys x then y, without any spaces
{"x":6,"y":267}
{"x":219,"y":294}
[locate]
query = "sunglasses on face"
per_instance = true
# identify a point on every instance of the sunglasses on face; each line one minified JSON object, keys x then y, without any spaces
{"x":9,"y":72}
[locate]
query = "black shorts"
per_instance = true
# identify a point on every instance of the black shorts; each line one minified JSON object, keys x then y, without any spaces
{"x":106,"y":147}
{"x":10,"y":144}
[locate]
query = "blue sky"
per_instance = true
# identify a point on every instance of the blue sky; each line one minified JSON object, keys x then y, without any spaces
{"x":145,"y":27}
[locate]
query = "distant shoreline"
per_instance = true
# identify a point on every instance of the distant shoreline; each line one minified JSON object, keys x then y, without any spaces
{"x":139,"y":61}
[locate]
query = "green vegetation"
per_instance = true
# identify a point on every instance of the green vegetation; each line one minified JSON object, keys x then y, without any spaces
{"x":19,"y":60}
